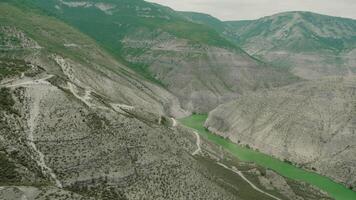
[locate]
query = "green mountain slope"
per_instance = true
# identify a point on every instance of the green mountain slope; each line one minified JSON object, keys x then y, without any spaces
{"x":87,"y":58}
{"x":101,"y":19}
{"x":77,"y":124}
{"x":312,"y":45}
{"x":191,"y":60}
{"x":205,"y":19}
{"x":313,"y":31}
{"x":309,"y":44}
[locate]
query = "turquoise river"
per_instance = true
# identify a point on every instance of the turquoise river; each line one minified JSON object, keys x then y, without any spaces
{"x":335,"y":190}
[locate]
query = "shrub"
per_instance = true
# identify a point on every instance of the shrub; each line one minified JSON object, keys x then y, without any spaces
{"x":6,"y":100}
{"x":287,"y":161}
{"x":8,"y":174}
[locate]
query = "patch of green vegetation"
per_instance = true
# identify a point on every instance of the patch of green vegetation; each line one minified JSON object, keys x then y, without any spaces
{"x":231,"y":181}
{"x":288,"y":162}
{"x":305,"y":191}
{"x":11,"y":175}
{"x":96,"y":122}
{"x":8,"y":40}
{"x":128,"y":17}
{"x":307,"y":39}
{"x":143,"y":70}
{"x":205,"y":19}
{"x":8,"y":174}
{"x":6,"y":101}
{"x":195,"y":33}
{"x":11,"y":67}
{"x":108,"y":32}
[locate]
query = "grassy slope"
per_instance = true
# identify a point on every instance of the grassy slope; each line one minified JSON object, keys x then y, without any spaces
{"x":239,"y":32}
{"x":43,"y":27}
{"x":318,"y":32}
{"x":205,"y":19}
{"x":127,"y":17}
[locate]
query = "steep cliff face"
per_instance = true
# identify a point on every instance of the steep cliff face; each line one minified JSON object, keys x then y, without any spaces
{"x":311,"y":124}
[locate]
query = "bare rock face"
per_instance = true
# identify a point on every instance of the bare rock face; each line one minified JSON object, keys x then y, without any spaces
{"x":201,"y":76}
{"x":311,"y":124}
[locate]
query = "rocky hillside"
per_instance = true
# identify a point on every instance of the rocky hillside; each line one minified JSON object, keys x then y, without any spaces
{"x":191,"y":60}
{"x":311,"y":45}
{"x":81,"y":62}
{"x":310,"y":124}
{"x":85,"y":117}
{"x":77,"y":124}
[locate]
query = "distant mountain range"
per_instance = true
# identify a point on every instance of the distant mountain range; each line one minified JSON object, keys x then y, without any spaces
{"x":309,"y":44}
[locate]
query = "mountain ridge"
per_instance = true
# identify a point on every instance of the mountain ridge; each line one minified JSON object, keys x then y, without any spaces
{"x":162,"y":45}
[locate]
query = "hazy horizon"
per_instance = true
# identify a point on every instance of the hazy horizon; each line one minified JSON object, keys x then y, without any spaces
{"x":254,"y":9}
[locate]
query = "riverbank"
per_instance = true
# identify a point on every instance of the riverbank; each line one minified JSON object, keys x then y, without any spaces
{"x":335,"y":190}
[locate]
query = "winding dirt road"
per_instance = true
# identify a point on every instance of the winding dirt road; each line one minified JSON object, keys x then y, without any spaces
{"x":248,"y":181}
{"x":198,"y":144}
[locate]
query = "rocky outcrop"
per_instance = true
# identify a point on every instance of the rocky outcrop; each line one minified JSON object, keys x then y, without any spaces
{"x":311,"y":124}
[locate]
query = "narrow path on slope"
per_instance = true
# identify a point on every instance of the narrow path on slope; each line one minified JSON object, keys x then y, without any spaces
{"x":198,"y":144}
{"x":249,"y":182}
{"x":30,"y":82}
{"x":174,"y":124}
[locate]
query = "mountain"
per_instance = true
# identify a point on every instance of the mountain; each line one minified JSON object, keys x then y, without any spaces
{"x":310,"y":44}
{"x":79,"y":58}
{"x":311,"y":124}
{"x":195,"y":63}
{"x":77,"y":124}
